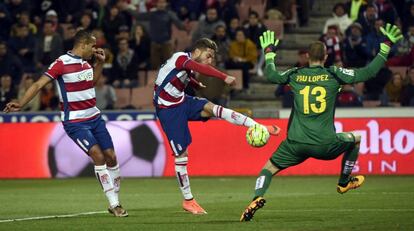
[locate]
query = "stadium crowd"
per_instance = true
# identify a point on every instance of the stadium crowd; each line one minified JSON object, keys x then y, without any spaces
{"x":138,"y":36}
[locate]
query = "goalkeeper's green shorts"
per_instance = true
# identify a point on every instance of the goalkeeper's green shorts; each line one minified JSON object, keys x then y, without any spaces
{"x":290,"y":153}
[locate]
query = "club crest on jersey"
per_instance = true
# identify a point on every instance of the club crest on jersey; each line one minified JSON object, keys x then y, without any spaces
{"x":85,"y":76}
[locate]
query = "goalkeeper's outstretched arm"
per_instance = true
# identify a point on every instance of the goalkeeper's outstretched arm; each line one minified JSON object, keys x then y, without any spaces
{"x":393,"y":35}
{"x":269,"y":43}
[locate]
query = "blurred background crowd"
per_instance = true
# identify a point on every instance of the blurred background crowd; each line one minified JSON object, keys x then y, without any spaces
{"x":140,"y":35}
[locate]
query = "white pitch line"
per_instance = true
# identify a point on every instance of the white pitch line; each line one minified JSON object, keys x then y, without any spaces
{"x":52,"y":216}
{"x":338,"y":210}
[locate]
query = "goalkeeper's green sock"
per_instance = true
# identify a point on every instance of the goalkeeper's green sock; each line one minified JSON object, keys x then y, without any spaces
{"x":348,"y":162}
{"x":263,"y":183}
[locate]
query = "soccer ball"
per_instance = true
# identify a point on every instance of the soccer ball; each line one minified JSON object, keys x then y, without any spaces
{"x":257,"y":135}
{"x":139,"y":147}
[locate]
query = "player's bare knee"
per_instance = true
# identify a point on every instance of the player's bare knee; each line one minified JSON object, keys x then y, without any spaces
{"x":110,"y":157}
{"x":208,"y":110}
{"x":357,"y":138}
{"x":271,"y":167}
{"x":184,"y":154}
{"x":97,"y":155}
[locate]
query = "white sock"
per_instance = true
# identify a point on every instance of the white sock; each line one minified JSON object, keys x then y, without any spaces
{"x":116,"y":177}
{"x":232,"y":116}
{"x":104,"y":178}
{"x":182,"y":177}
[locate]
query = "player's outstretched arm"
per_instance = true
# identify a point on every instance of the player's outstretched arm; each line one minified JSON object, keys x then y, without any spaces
{"x":208,"y":71}
{"x":268,"y":42}
{"x":30,"y":93}
{"x":393,"y":35}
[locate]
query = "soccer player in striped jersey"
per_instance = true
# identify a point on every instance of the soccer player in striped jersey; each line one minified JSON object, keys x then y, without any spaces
{"x":81,"y":118}
{"x":174,"y":108}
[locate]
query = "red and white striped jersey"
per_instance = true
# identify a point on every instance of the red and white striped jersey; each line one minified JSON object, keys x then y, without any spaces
{"x":173,"y":92}
{"x":76,"y":87}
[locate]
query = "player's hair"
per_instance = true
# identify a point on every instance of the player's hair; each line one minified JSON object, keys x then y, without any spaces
{"x":317,"y":51}
{"x":205,"y":43}
{"x":82,"y":36}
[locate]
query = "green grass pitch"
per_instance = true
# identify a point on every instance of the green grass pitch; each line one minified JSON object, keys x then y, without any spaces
{"x":293,"y":203}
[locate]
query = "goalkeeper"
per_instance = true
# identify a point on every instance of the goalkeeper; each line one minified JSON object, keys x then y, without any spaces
{"x":311,"y":131}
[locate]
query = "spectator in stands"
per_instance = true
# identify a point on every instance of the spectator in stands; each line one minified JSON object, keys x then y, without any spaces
{"x":355,"y":8}
{"x":7,"y":91}
{"x":49,"y":46}
{"x":348,"y":97}
{"x":242,"y":55}
{"x":223,"y":44}
{"x":51,"y":16}
{"x":367,"y":19}
{"x":408,"y":17}
{"x":70,"y":11}
{"x":111,"y":25}
{"x":10,"y":65}
{"x":303,"y":58}
{"x":86,"y":22}
{"x":226,"y":10}
{"x":34,"y":104}
{"x":24,"y":20}
{"x":303,"y":11}
{"x":5,"y":22}
{"x":233,"y":26}
{"x":374,"y":39}
{"x":207,"y":25}
{"x":16,"y":7}
{"x":160,"y":23}
{"x":23,"y":44}
{"x":354,"y":47}
{"x":101,"y":10}
{"x":394,"y":88}
{"x":386,"y":10}
{"x":100,"y":37}
{"x":374,"y":87}
{"x":332,"y":42}
{"x":339,"y":19}
{"x":188,"y":10}
{"x":105,"y":94}
{"x":141,"y":45}
{"x":69,"y":38}
{"x":407,"y":95}
{"x":253,"y":30}
{"x":124,"y":71}
{"x":49,"y":101}
{"x":404,"y":55}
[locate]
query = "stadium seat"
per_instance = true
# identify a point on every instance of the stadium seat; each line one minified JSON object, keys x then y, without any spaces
{"x":141,"y":97}
{"x":123,"y":97}
{"x":276,"y":26}
{"x":239,"y":79}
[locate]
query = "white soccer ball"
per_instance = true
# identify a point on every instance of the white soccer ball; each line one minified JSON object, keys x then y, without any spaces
{"x":257,"y":135}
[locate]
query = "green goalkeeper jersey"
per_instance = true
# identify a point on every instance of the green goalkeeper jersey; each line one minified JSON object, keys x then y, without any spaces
{"x":315,"y":89}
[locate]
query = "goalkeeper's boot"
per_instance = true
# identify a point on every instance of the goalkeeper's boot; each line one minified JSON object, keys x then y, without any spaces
{"x":252,"y":208}
{"x":353,"y":183}
{"x":273,"y":129}
{"x":193,"y":207}
{"x":118,"y":211}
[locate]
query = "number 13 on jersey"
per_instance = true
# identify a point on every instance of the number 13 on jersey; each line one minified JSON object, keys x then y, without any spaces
{"x":320,"y":93}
